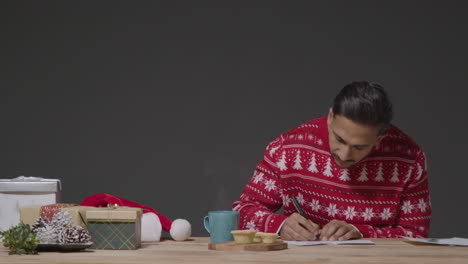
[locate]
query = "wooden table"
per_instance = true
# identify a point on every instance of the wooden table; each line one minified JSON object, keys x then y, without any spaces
{"x":196,"y":251}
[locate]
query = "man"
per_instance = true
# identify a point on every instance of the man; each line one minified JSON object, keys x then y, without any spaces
{"x":353,"y":173}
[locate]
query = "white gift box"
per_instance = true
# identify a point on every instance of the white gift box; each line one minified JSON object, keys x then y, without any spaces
{"x":22,"y":191}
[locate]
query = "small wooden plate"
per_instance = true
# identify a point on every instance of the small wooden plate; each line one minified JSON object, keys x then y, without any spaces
{"x":232,"y":246}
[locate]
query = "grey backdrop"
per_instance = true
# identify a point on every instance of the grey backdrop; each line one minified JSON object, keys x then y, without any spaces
{"x":171,"y":104}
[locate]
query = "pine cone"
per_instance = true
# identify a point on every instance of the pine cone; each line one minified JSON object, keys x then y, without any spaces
{"x":46,"y":235}
{"x":69,"y":235}
{"x":85,"y":237}
{"x":39,"y":223}
{"x":62,"y":219}
{"x":60,"y":230}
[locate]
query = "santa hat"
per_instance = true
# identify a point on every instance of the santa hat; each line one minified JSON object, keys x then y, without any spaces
{"x":151,"y":221}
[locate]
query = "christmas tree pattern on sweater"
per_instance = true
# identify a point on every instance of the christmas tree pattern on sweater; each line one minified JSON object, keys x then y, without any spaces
{"x":384,"y":195}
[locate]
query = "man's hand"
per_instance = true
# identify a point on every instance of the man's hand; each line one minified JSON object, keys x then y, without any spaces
{"x":296,"y":227}
{"x":339,"y":230}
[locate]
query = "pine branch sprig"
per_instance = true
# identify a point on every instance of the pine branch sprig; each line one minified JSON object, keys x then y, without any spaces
{"x":20,"y":240}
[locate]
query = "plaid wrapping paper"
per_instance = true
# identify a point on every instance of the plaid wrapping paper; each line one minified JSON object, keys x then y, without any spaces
{"x":118,"y":228}
{"x":115,"y":235}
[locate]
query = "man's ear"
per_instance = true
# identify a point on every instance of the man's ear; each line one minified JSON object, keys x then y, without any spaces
{"x":330,"y":116}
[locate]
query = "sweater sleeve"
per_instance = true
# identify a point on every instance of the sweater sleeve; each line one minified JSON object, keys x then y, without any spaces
{"x":262,"y":196}
{"x":414,"y":213}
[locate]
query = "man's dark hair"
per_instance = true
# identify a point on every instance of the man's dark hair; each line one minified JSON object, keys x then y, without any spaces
{"x":365,"y":103}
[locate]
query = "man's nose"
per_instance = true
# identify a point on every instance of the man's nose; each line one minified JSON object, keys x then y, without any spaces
{"x":346,"y":153}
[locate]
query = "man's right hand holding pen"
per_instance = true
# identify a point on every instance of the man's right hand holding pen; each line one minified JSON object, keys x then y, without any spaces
{"x":298,"y":227}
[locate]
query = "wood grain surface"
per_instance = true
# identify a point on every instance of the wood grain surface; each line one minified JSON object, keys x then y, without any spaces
{"x":196,"y":251}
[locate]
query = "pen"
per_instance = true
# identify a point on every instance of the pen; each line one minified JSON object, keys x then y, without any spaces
{"x":298,"y":207}
{"x":301,"y":212}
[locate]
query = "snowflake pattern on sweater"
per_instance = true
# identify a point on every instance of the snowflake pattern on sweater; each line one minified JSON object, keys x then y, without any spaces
{"x":384,"y":195}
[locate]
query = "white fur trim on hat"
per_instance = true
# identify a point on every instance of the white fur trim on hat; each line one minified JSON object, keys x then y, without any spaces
{"x":150,"y":227}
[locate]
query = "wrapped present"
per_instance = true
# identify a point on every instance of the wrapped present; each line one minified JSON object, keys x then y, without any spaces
{"x":23,"y":191}
{"x":29,"y":214}
{"x":78,"y":214}
{"x":115,"y":228}
{"x":48,"y":211}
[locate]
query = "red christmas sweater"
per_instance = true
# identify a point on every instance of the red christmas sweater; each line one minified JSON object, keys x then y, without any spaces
{"x":385,"y":195}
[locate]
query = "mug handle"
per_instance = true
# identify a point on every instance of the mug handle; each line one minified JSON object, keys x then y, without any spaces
{"x":206,"y":223}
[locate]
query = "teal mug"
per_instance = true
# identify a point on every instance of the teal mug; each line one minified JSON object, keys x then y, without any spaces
{"x":220,"y":224}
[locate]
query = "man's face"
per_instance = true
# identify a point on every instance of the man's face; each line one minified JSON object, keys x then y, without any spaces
{"x":350,"y":142}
